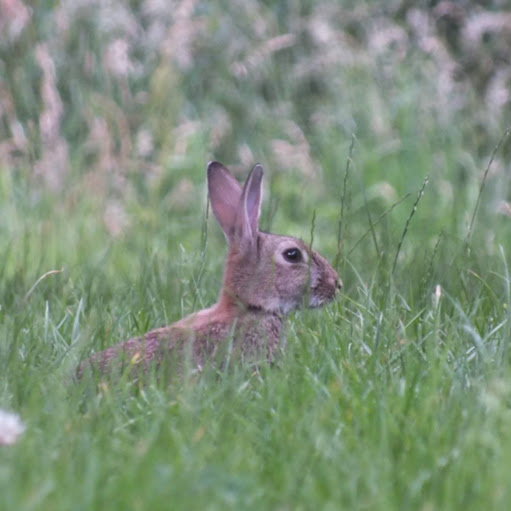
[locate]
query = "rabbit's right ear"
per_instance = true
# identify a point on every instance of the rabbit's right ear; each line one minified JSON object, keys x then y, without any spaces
{"x":225,"y":195}
{"x":249,"y":208}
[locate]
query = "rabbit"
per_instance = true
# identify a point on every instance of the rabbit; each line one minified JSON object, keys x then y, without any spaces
{"x":265,"y":277}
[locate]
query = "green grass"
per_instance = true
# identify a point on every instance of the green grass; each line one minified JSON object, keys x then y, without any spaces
{"x":396,"y":396}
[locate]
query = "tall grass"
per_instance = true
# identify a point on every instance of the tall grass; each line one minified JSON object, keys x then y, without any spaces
{"x":396,"y":396}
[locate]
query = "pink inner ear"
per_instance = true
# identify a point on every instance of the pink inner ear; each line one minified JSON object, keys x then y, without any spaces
{"x":224,"y":194}
{"x":250,"y":205}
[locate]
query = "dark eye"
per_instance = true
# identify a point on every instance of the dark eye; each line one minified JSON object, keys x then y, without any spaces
{"x":292,"y":255}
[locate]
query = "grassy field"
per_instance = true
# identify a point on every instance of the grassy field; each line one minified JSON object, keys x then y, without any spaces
{"x":376,"y":126}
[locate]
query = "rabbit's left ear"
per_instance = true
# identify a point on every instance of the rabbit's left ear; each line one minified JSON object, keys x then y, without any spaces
{"x":225,"y":195}
{"x":249,"y":208}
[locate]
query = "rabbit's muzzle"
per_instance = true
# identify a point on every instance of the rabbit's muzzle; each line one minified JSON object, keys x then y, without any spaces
{"x":325,"y":282}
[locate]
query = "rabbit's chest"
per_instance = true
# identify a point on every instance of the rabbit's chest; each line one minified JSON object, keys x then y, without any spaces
{"x":260,"y":336}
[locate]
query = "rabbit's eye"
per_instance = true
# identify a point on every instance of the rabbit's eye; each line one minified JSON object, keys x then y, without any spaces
{"x":292,"y":255}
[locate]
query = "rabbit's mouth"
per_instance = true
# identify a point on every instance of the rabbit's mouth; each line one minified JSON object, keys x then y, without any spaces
{"x":318,"y":301}
{"x":319,"y":296}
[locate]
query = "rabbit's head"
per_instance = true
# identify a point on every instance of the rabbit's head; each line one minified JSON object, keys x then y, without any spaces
{"x":264,"y":271}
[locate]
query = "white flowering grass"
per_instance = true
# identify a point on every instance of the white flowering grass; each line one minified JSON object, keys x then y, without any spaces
{"x":11,"y":427}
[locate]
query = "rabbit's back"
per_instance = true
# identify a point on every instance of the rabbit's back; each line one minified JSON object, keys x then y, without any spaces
{"x":200,"y":336}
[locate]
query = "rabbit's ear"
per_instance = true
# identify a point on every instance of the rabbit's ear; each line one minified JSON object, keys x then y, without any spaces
{"x":250,"y":206}
{"x":225,"y":195}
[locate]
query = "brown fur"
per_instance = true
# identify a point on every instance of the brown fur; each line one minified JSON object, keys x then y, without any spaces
{"x":260,"y":286}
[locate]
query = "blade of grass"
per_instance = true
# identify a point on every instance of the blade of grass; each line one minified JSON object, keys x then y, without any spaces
{"x":483,"y":184}
{"x":204,"y":243}
{"x":412,"y":213}
{"x":313,"y":226}
{"x":371,"y":224}
{"x":42,"y":277}
{"x":343,"y":202}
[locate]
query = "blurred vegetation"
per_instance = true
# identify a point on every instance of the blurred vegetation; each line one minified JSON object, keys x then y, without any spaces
{"x":112,"y":107}
{"x":109,"y":112}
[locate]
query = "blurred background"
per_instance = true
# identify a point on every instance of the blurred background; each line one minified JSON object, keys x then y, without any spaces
{"x":110,"y":110}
